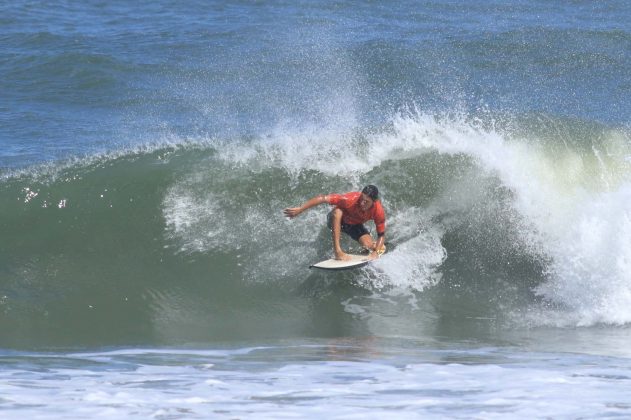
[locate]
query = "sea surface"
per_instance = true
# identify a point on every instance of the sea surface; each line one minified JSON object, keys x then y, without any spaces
{"x":147,"y":150}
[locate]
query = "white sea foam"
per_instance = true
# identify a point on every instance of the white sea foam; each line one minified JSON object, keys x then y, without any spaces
{"x":390,"y":382}
{"x":591,"y":272}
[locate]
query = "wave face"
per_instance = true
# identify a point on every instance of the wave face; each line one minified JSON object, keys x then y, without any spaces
{"x":488,"y":218}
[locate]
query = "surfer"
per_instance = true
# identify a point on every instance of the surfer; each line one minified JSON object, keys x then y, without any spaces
{"x":351,"y":211}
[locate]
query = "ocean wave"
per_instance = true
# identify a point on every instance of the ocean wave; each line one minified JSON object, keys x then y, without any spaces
{"x":187,"y":236}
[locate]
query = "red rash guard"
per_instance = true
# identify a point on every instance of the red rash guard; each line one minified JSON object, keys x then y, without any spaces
{"x":353,"y":215}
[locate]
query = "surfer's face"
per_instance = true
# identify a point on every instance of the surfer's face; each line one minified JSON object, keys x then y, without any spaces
{"x":365,"y":202}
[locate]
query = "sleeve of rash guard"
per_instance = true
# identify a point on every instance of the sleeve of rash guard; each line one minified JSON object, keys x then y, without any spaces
{"x":333,"y":199}
{"x":343,"y":201}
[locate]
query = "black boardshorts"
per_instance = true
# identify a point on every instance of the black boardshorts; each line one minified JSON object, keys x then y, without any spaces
{"x":354,"y":231}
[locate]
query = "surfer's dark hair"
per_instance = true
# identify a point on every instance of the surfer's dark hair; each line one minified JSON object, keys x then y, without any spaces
{"x":371,"y":191}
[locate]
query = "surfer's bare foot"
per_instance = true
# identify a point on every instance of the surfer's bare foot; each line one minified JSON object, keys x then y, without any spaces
{"x":342,"y":256}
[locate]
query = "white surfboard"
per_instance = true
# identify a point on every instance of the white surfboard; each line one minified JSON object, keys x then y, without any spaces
{"x":356,"y":261}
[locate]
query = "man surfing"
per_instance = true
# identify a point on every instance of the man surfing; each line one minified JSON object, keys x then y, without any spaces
{"x":351,"y":211}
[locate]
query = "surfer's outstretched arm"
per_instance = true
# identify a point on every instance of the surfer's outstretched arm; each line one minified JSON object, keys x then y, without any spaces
{"x":292,"y":212}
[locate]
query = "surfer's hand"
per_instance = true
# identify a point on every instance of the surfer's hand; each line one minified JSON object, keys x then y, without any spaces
{"x":373,"y":255}
{"x":292,"y":212}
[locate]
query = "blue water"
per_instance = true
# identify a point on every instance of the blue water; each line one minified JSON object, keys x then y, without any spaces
{"x":79,"y":78}
{"x":146,"y":153}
